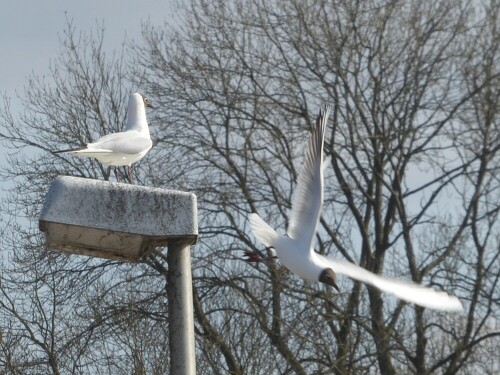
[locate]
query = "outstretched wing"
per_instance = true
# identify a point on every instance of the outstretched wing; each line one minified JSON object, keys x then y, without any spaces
{"x":408,"y":291}
{"x":308,"y":196}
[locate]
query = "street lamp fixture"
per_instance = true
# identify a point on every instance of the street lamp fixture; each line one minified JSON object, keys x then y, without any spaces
{"x":126,"y":222}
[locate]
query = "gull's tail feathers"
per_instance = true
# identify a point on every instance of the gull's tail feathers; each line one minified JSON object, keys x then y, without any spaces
{"x":262,"y":230}
{"x":84,"y":151}
{"x":90,"y":151}
{"x":71,"y":150}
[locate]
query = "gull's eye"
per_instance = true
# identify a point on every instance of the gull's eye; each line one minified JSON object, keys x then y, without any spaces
{"x":145,"y":100}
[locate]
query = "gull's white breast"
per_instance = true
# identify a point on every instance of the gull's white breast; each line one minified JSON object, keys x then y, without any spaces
{"x":298,"y":258}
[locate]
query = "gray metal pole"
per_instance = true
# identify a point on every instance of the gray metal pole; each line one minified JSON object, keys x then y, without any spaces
{"x":180,"y":309}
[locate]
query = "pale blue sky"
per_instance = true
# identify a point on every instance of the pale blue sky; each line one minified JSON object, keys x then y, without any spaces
{"x":30,"y":32}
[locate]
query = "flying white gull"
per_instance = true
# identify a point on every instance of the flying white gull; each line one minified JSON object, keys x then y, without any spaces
{"x":295,"y":250}
{"x":123,"y":148}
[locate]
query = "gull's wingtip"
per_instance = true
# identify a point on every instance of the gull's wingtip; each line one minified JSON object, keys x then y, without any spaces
{"x":453,"y":304}
{"x":439,"y":301}
{"x":325,"y":109}
{"x":442,"y":300}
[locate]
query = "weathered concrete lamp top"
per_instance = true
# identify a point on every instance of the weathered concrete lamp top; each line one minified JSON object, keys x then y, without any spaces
{"x":114,"y":220}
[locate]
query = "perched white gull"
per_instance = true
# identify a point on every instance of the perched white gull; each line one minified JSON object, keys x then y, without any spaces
{"x":295,"y":250}
{"x":127,"y":147}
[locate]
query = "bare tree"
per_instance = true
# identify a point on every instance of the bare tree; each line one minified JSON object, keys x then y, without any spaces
{"x":411,"y":189}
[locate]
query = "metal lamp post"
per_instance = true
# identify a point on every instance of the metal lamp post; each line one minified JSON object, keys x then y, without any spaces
{"x":126,"y":222}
